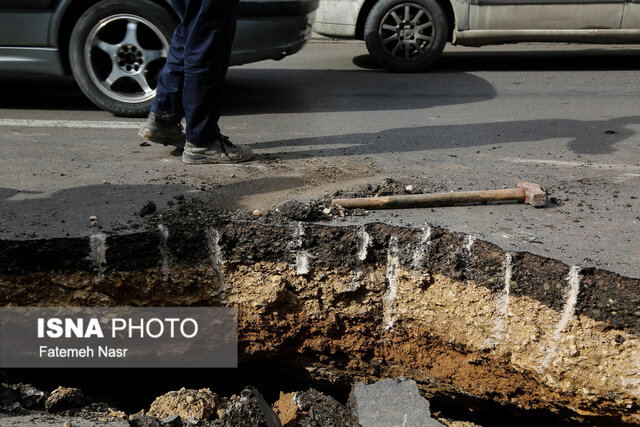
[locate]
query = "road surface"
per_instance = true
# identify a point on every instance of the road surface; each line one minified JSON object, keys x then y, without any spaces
{"x":564,"y":116}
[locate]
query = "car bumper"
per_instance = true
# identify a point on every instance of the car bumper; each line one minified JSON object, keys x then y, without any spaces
{"x":338,"y":18}
{"x":272,"y":30}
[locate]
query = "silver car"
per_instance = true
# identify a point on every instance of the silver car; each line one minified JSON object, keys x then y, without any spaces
{"x":409,"y":35}
{"x":116,"y":48}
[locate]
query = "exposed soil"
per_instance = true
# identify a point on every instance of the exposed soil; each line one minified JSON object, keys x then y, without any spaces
{"x":348,"y":304}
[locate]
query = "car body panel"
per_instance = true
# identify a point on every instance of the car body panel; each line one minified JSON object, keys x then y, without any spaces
{"x":545,"y":14}
{"x":25,"y":22}
{"x":338,"y":18}
{"x":631,"y":17}
{"x":270,"y":38}
{"x":56,"y":20}
{"x":31,"y":60}
{"x":482,"y":22}
{"x":489,"y":37}
{"x":461,"y":15}
{"x":17,"y":28}
{"x":30,"y":4}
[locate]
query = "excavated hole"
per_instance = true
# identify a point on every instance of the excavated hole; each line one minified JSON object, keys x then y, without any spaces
{"x":484,"y":333}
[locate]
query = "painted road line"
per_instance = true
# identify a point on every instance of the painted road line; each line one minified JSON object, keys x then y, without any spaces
{"x":572,"y":164}
{"x":78,"y":124}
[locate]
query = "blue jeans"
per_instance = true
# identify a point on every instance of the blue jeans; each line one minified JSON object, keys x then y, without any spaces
{"x":191,"y":83}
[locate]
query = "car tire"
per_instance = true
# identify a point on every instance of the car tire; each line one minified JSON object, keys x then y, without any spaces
{"x":406,"y":35}
{"x":116,"y":51}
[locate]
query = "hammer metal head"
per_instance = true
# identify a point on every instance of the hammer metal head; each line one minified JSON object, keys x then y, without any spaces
{"x":534,"y":194}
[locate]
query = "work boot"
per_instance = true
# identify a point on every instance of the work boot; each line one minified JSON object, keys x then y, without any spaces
{"x":219,"y":151}
{"x":162,"y":132}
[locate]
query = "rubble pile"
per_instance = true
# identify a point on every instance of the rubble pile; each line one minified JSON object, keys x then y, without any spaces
{"x":388,"y":402}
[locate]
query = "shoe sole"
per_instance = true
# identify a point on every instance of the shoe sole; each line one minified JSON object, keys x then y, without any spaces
{"x":199,"y":159}
{"x":145,"y":133}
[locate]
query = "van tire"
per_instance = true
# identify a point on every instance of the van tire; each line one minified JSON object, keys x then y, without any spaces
{"x":406,"y":35}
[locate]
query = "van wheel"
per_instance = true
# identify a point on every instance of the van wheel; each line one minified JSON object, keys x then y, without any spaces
{"x":117,"y":50}
{"x":406,"y":35}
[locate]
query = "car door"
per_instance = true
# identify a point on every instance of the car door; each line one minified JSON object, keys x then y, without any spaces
{"x":25,"y":22}
{"x":518,"y":15}
{"x":631,"y":17}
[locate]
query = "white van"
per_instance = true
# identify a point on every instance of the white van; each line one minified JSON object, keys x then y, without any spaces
{"x":409,"y":35}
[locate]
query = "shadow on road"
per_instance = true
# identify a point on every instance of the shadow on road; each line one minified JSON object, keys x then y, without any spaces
{"x":251,"y":91}
{"x":117,"y":206}
{"x":271,"y":91}
{"x":589,"y":59}
{"x":584,"y":137}
{"x":42,"y":92}
{"x":6,"y":193}
{"x":266,"y":91}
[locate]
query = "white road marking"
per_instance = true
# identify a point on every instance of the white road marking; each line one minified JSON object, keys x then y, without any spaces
{"x":78,"y":124}
{"x":572,"y":164}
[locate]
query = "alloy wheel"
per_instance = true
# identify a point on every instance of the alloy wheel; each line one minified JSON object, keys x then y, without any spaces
{"x":124,"y":55}
{"x":407,"y":31}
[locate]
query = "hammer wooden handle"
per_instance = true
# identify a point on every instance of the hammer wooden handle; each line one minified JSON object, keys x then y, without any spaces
{"x":446,"y":199}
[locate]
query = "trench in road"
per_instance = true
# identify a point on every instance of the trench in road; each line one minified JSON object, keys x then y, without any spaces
{"x":478,"y":328}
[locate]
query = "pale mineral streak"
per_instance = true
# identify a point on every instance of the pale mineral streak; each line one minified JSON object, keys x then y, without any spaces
{"x":503,"y":302}
{"x":389,"y":298}
{"x":421,"y":250}
{"x":469,"y":244}
{"x":215,"y":255}
{"x":363,"y":244}
{"x":301,"y":256}
{"x":567,"y":315}
{"x":164,"y":254}
{"x":98,"y":255}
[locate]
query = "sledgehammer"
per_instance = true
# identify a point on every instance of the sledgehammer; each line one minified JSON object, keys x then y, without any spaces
{"x":532,"y":194}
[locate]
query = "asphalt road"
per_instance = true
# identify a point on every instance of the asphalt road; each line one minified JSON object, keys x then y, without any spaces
{"x":565,"y":116}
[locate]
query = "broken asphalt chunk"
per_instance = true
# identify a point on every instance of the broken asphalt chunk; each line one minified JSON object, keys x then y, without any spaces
{"x":172,"y":421}
{"x":296,"y":210}
{"x":21,"y":396}
{"x":148,"y":208}
{"x":391,"y":403}
{"x":142,"y":420}
{"x":248,"y":410}
{"x":313,"y":409}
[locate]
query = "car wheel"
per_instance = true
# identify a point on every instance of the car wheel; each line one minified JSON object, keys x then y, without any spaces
{"x":117,"y":50}
{"x":406,"y":35}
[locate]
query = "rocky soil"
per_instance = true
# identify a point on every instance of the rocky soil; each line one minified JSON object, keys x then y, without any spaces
{"x":22,"y":404}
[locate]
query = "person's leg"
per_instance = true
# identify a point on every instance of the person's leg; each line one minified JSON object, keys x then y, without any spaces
{"x":209,"y":27}
{"x":163,"y":124}
{"x":167,"y":104}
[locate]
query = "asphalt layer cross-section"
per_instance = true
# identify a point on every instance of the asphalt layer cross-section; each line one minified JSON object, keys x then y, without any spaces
{"x":564,"y":116}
